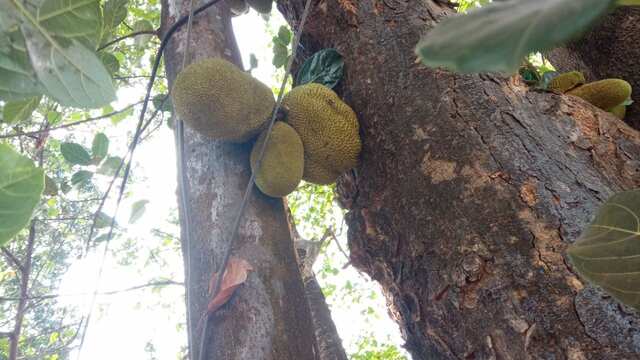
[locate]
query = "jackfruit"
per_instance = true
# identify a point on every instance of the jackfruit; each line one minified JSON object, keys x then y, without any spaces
{"x":238,"y":7}
{"x":261,"y":6}
{"x":604,"y":94}
{"x":329,"y":131}
{"x":566,"y":81}
{"x":619,"y":111}
{"x":220,"y":101}
{"x":283,"y":161}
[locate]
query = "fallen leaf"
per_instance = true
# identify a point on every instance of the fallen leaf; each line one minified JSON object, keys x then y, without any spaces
{"x":234,"y":276}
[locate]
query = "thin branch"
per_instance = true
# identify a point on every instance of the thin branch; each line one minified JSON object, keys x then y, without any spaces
{"x":129,"y":35}
{"x":335,"y":239}
{"x":24,"y":291}
{"x":111,"y":292}
{"x":11,"y":258}
{"x":5,"y":136}
{"x":71,"y":218}
{"x":6,"y":334}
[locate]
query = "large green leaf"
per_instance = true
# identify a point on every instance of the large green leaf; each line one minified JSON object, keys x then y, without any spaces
{"x":21,"y":186}
{"x":100,"y":147}
{"x":18,"y":80}
{"x":324,"y":67}
{"x":114,"y":12}
{"x":72,"y":19}
{"x":21,"y":110}
{"x":71,"y":73}
{"x":607,"y":254}
{"x":110,"y":166}
{"x":499,"y":35}
{"x":75,"y":154}
{"x":80,"y":177}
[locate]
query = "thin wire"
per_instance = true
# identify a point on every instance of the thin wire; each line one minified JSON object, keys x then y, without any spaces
{"x":248,"y":190}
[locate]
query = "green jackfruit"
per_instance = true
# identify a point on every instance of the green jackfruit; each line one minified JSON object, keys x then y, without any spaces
{"x":604,"y":94}
{"x":261,"y":6}
{"x":238,"y":7}
{"x":566,"y":81}
{"x":220,"y":101}
{"x":619,"y":111}
{"x":329,"y":131}
{"x":283,"y":162}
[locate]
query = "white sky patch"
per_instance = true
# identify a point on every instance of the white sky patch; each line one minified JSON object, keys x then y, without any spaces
{"x":123,"y":324}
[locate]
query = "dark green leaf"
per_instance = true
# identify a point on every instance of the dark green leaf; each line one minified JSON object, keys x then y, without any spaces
{"x":110,"y":62}
{"x":137,"y":210}
{"x":103,"y":220}
{"x":499,"y":35}
{"x":324,"y":67}
{"x":80,"y":177}
{"x":18,"y":111}
{"x":50,"y":187}
{"x":114,"y":12}
{"x":19,"y":81}
{"x":75,"y":154}
{"x":162,"y":100}
{"x":284,"y":34}
{"x":110,"y":166}
{"x":99,"y":147}
{"x":607,"y":254}
{"x":21,"y":186}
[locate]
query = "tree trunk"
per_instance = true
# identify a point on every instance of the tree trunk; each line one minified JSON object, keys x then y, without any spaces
{"x":469,"y":190}
{"x":610,"y":50}
{"x":268,"y":317}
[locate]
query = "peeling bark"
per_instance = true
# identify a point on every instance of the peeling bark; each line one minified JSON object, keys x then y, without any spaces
{"x":608,"y":50}
{"x":469,"y":190}
{"x":268,"y":317}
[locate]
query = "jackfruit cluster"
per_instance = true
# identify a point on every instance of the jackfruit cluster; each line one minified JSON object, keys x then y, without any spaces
{"x":566,"y":81}
{"x":261,"y":6}
{"x":220,"y":101}
{"x":282,"y":164}
{"x":329,"y":131}
{"x":608,"y":94}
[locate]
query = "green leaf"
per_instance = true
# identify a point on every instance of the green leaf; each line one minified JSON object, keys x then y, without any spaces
{"x":161,"y":100}
{"x":137,"y":210}
{"x":117,"y":118}
{"x":142,"y":25}
{"x":114,"y":12}
{"x":72,"y":19}
{"x":75,"y":154}
{"x":103,"y":220}
{"x":19,"y":81}
{"x":253,"y":61}
{"x":21,"y":186}
{"x":284,"y":34}
{"x":499,"y":35}
{"x":110,"y":62}
{"x":50,"y":187}
{"x":110,"y":166}
{"x":99,"y":147}
{"x":607,"y":253}
{"x":71,"y":74}
{"x":280,"y":54}
{"x":324,"y":67}
{"x":18,"y":111}
{"x":53,"y":117}
{"x":80,"y":177}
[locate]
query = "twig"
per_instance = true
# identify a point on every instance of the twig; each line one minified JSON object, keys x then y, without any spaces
{"x":5,"y":136}
{"x":129,"y":35}
{"x":335,"y":239}
{"x":12,"y":258}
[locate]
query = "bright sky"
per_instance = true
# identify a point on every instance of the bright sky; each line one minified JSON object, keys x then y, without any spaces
{"x":123,"y":324}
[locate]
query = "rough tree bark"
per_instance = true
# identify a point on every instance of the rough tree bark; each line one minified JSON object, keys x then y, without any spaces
{"x":268,"y":317}
{"x":608,"y":50}
{"x":469,"y":190}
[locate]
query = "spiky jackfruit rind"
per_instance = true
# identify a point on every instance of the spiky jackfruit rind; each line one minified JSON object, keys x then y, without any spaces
{"x":329,"y":131}
{"x":261,"y":6}
{"x":566,"y":81}
{"x":604,"y":94}
{"x":220,"y":101}
{"x":238,"y":7}
{"x":283,"y":161}
{"x":620,"y":111}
